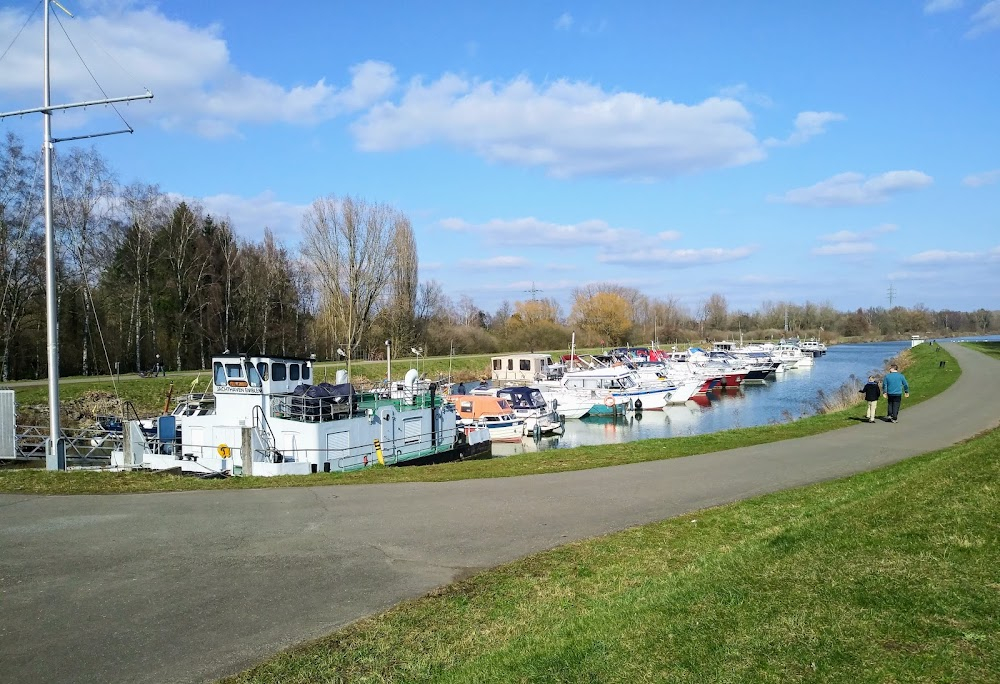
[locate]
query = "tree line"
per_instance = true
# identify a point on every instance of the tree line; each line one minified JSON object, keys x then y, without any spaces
{"x":144,"y":277}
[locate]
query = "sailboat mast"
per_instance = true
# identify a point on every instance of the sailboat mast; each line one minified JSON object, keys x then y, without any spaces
{"x":55,"y":455}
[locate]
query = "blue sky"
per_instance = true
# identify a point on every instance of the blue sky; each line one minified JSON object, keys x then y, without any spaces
{"x":772,"y":151}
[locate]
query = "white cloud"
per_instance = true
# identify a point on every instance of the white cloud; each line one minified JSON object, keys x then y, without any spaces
{"x":850,"y":248}
{"x":669,"y":235}
{"x":853,"y":236}
{"x":986,"y":19}
{"x":568,"y":128}
{"x":529,"y":231}
{"x":935,"y":6}
{"x":936,"y":257}
{"x":495,"y":262}
{"x":978,"y":180}
{"x":807,"y":125}
{"x":564,"y":22}
{"x":854,"y":189}
{"x":249,"y":216}
{"x":188,"y":68}
{"x":676,"y":257}
{"x":743,"y":93}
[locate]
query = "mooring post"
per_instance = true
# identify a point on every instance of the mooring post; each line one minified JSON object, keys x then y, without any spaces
{"x":246,"y":451}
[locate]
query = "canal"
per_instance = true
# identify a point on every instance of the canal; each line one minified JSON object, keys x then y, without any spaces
{"x":790,"y":395}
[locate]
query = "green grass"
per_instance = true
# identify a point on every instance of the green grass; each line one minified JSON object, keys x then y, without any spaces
{"x":888,"y":576}
{"x":988,"y":348}
{"x":926,"y":379}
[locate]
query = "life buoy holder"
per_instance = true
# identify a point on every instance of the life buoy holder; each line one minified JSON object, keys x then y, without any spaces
{"x":609,"y":401}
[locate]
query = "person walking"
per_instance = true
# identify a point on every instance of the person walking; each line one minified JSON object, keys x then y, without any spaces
{"x":895,"y":387}
{"x":872,"y":392}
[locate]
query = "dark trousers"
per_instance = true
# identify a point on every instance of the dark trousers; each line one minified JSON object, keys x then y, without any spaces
{"x":894,"y":401}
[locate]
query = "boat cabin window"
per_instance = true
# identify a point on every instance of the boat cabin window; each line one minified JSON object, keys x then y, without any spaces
{"x":278,"y":372}
{"x":526,"y":364}
{"x":510,"y":364}
{"x":252,"y":375}
{"x":262,"y":370}
{"x":233,"y":370}
{"x":219,"y":373}
{"x":504,"y":405}
{"x":293,"y":371}
{"x":305,"y":371}
{"x":465,"y":407}
{"x":497,"y":364}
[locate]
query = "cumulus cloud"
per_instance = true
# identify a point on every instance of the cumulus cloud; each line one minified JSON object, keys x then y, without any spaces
{"x":807,"y":125}
{"x":676,"y":257}
{"x":568,"y":128}
{"x":495,"y":262}
{"x":978,"y":180}
{"x":188,"y":68}
{"x":986,"y":19}
{"x":854,"y":189}
{"x":564,"y":22}
{"x":529,"y":231}
{"x":936,"y":6}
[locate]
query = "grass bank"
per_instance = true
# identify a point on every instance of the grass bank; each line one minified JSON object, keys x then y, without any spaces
{"x":888,"y":576}
{"x":925,"y":376}
{"x":988,"y":348}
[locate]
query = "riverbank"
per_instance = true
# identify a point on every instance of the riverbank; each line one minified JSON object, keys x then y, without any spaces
{"x":927,"y":379}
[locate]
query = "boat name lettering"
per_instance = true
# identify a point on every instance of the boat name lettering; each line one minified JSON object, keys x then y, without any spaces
{"x":238,"y":390}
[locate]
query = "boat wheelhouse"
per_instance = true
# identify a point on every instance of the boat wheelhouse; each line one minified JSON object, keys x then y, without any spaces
{"x":490,"y":412}
{"x":520,"y":369}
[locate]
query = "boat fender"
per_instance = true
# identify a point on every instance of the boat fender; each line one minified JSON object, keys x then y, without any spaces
{"x":609,"y":401}
{"x":638,"y":404}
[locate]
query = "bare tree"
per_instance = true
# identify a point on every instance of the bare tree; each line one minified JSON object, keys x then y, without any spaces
{"x":84,"y":202}
{"x":349,"y":244}
{"x":20,"y":238}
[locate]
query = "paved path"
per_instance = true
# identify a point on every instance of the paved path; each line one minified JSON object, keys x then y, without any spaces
{"x":187,"y":587}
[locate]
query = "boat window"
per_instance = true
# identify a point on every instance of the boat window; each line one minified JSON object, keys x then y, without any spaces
{"x":219,"y":373}
{"x":293,"y":371}
{"x":497,"y":364}
{"x":278,"y":371}
{"x":305,"y":371}
{"x":465,"y":407}
{"x":233,"y":370}
{"x":526,"y":364}
{"x":252,"y":375}
{"x":510,"y":364}
{"x":504,"y":405}
{"x":262,"y":370}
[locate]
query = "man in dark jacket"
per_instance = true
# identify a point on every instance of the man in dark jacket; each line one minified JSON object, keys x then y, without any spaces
{"x":872,"y":393}
{"x":895,"y":387}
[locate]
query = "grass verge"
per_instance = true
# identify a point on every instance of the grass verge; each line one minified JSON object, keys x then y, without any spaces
{"x":888,"y":576}
{"x":925,"y":377}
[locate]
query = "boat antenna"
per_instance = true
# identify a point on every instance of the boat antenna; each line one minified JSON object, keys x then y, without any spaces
{"x":55,"y":451}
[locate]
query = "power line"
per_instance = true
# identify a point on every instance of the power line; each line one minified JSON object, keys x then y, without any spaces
{"x":534,"y":291}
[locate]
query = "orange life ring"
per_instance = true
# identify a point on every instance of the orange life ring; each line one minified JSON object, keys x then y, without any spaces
{"x":609,"y":401}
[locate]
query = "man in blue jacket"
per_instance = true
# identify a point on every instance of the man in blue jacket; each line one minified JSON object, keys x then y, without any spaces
{"x":895,"y":387}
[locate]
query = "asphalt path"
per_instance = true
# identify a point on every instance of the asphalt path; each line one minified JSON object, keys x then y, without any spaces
{"x":192,"y":586}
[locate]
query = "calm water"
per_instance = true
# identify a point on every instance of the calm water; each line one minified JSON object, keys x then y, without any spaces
{"x":792,"y":393}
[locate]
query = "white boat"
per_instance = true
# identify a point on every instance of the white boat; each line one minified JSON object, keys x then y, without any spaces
{"x":529,"y":405}
{"x":269,"y":419}
{"x":608,"y":390}
{"x":490,"y":412}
